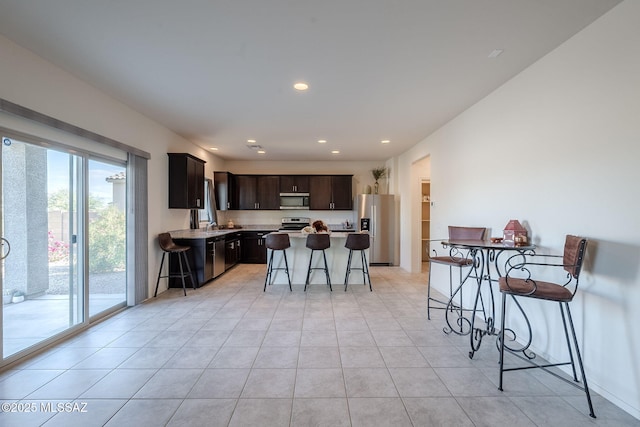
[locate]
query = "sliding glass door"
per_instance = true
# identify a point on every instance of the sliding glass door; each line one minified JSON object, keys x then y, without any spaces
{"x":107,"y":236}
{"x":63,"y":222}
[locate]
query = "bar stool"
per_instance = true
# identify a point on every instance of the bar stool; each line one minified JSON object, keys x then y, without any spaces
{"x":168,"y":246}
{"x":358,"y":242}
{"x":318,"y":242}
{"x":277,"y":242}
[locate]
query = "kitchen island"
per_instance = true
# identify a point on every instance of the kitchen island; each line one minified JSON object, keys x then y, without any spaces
{"x":298,"y":260}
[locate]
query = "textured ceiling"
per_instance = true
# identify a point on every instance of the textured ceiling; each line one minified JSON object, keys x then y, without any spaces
{"x":220,"y":72}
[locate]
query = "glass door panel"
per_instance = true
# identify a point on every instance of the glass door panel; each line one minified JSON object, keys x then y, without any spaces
{"x":107,"y":236}
{"x":41,"y":291}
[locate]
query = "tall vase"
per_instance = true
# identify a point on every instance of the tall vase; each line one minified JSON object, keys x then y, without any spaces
{"x":375,"y":187}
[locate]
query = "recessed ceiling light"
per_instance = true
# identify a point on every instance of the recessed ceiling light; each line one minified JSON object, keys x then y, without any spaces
{"x":495,"y":53}
{"x":213,"y":148}
{"x":322,"y":141}
{"x":385,"y":141}
{"x":335,"y":152}
{"x":301,"y":86}
{"x":261,"y":151}
{"x":251,"y":141}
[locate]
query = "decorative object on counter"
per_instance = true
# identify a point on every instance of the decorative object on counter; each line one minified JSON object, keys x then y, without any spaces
{"x":194,"y":219}
{"x":378,"y":173}
{"x":515,"y":233}
{"x":230,"y":224}
{"x":367,"y":189}
{"x":347,"y":225}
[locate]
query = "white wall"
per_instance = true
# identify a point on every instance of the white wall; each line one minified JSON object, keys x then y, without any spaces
{"x":557,"y":148}
{"x":32,"y":82}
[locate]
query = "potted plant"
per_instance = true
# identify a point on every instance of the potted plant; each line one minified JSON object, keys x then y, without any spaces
{"x":18,"y":296}
{"x":378,"y":173}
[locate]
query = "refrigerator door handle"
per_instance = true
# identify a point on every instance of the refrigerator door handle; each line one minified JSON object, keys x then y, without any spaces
{"x":372,"y":226}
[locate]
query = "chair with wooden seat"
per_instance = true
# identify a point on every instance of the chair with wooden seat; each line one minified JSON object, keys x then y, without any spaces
{"x":168,"y":246}
{"x":318,"y":242}
{"x":277,"y":242}
{"x":456,"y":258}
{"x":519,"y":282}
{"x":358,"y":242}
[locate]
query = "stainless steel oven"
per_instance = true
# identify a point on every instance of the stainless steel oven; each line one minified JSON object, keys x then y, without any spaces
{"x":294,"y":201}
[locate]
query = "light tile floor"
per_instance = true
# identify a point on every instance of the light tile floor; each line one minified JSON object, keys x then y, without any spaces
{"x":230,"y":355}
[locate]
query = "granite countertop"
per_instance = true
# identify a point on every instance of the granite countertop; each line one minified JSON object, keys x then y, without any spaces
{"x":201,"y":233}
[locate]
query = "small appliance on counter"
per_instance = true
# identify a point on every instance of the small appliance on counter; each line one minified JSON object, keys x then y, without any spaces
{"x":294,"y":223}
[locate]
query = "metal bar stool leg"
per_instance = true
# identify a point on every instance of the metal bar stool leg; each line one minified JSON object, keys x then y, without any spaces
{"x":584,"y":377}
{"x":326,"y":270}
{"x":365,"y":267}
{"x":286,"y":265}
{"x":346,"y":279}
{"x":306,"y":282}
{"x":159,"y":275}
{"x":186,"y":261}
{"x":184,"y":288}
{"x":269,"y":270}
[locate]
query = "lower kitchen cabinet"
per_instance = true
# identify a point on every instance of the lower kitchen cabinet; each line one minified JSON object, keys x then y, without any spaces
{"x":254,"y":250}
{"x":233,"y":254}
{"x":206,"y":259}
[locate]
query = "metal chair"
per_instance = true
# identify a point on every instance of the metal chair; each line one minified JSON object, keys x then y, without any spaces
{"x":358,"y":242}
{"x":457,"y":259}
{"x":277,"y":242}
{"x":518,"y":282}
{"x":318,"y":242}
{"x":168,"y":246}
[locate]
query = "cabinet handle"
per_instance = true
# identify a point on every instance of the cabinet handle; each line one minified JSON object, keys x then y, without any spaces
{"x":228,"y":205}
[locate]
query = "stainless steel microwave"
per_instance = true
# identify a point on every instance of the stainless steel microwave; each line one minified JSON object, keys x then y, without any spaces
{"x":294,"y":201}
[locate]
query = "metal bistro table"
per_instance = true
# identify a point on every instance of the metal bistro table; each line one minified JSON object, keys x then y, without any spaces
{"x":484,"y":254}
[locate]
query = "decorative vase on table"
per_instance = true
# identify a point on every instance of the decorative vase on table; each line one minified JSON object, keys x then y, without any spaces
{"x":375,"y":187}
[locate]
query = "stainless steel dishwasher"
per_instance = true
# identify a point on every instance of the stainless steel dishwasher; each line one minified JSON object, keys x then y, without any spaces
{"x":218,"y":257}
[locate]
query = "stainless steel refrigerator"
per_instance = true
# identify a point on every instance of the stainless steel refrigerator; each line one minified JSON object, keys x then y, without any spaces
{"x":377,"y":214}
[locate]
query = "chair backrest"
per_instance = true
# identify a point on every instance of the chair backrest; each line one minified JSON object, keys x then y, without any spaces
{"x":277,"y":241}
{"x":165,"y":241}
{"x":466,"y":233}
{"x":318,"y":241}
{"x":574,"y":248}
{"x":357,"y":241}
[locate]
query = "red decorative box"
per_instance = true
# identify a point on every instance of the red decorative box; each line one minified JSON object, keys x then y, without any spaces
{"x":515,"y":233}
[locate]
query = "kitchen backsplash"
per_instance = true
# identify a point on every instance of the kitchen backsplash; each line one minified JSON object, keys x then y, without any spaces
{"x":274,"y":217}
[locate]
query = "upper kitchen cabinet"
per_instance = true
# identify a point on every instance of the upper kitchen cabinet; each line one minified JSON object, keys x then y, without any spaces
{"x":225,"y":189}
{"x":330,"y":192}
{"x":294,"y":183}
{"x":186,"y":181}
{"x":258,"y":192}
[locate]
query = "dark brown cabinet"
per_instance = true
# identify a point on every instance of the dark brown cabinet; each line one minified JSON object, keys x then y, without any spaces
{"x":330,"y":192}
{"x":233,"y":253}
{"x":186,"y":181}
{"x":258,"y":192}
{"x":253,"y":249}
{"x":294,"y":183}
{"x":224,"y":184}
